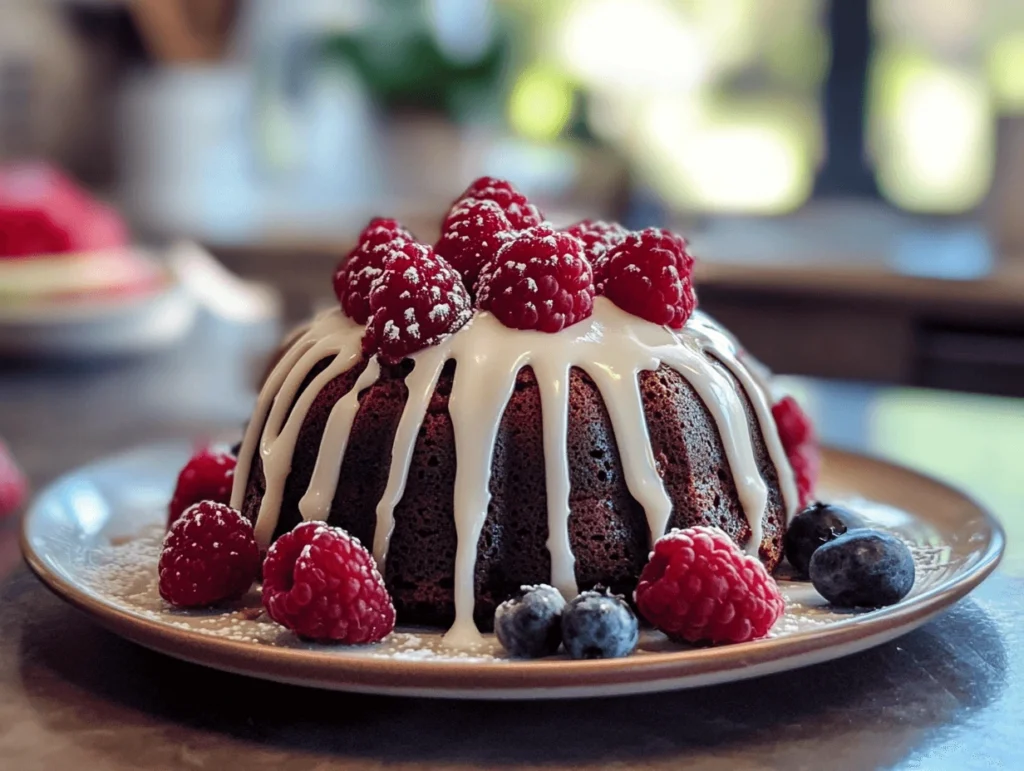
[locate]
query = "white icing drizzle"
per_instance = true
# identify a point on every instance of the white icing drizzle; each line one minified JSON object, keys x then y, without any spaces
{"x":278,"y":444}
{"x":754,"y":379}
{"x":726,"y":408}
{"x":612,"y":346}
{"x":331,"y":334}
{"x":476,"y":405}
{"x":254,"y":430}
{"x":421,"y":383}
{"x":620,"y":392}
{"x":553,"y":384}
{"x":316,"y":503}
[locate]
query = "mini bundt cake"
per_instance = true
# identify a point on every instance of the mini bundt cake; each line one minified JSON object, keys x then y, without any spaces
{"x":477,"y":453}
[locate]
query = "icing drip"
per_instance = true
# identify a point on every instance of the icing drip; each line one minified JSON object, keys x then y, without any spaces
{"x":753,"y":378}
{"x":553,"y":382}
{"x":612,"y":346}
{"x":723,"y":402}
{"x":278,"y":444}
{"x":621,"y":394}
{"x":253,"y":431}
{"x":420,"y":383}
{"x":316,"y":503}
{"x":476,"y":405}
{"x":330,"y":334}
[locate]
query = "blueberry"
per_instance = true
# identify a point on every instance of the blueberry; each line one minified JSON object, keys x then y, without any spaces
{"x":530,"y":626}
{"x":863,"y":569}
{"x":818,"y":524}
{"x":599,"y":625}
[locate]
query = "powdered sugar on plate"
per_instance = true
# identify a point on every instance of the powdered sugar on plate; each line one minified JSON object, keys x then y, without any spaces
{"x":122,"y":572}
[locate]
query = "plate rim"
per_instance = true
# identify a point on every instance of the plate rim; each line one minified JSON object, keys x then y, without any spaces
{"x":90,"y":308}
{"x":324,"y":669}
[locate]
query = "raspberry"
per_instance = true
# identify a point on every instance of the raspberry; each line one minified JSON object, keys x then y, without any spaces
{"x":649,"y":275}
{"x":207,"y":476}
{"x":598,"y":238}
{"x":415,"y":302}
{"x":209,"y":556}
{"x":44,"y":212}
{"x":521,"y":213}
{"x":39,"y":209}
{"x":540,"y":280}
{"x":471,"y":235}
{"x":699,"y":587}
{"x":806,"y":463}
{"x":796,"y":432}
{"x":322,"y":584}
{"x":13,"y":486}
{"x":356,"y":273}
{"x":376,"y":229}
{"x":794,"y":426}
{"x":28,"y":232}
{"x":101,"y":228}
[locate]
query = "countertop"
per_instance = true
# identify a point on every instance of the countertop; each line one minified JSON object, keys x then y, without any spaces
{"x":949,"y":695}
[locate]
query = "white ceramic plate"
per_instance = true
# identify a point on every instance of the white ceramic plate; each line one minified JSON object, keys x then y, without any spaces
{"x":93,"y":537}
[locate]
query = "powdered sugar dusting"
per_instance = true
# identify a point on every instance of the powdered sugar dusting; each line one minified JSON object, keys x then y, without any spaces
{"x":122,"y":573}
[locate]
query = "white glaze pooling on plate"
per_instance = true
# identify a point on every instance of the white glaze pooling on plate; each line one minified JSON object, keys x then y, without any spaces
{"x":611,"y":346}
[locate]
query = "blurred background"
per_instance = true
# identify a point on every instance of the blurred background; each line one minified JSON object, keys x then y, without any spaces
{"x":255,"y":121}
{"x":850,"y":174}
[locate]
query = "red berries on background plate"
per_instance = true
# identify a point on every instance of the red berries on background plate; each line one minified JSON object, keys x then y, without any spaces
{"x":796,"y":432}
{"x":13,"y":485}
{"x":540,"y":280}
{"x":43,"y":212}
{"x":416,"y":301}
{"x":321,"y":583}
{"x":209,"y":556}
{"x":208,"y":476}
{"x":699,"y":587}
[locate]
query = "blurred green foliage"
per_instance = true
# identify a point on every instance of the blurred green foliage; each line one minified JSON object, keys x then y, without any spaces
{"x":405,"y":67}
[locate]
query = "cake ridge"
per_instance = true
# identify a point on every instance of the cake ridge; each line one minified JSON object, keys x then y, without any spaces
{"x":611,"y":346}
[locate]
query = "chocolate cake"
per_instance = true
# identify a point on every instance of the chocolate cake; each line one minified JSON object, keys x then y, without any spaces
{"x":502,"y":457}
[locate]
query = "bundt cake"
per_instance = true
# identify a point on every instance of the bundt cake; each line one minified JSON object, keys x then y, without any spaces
{"x":489,"y":457}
